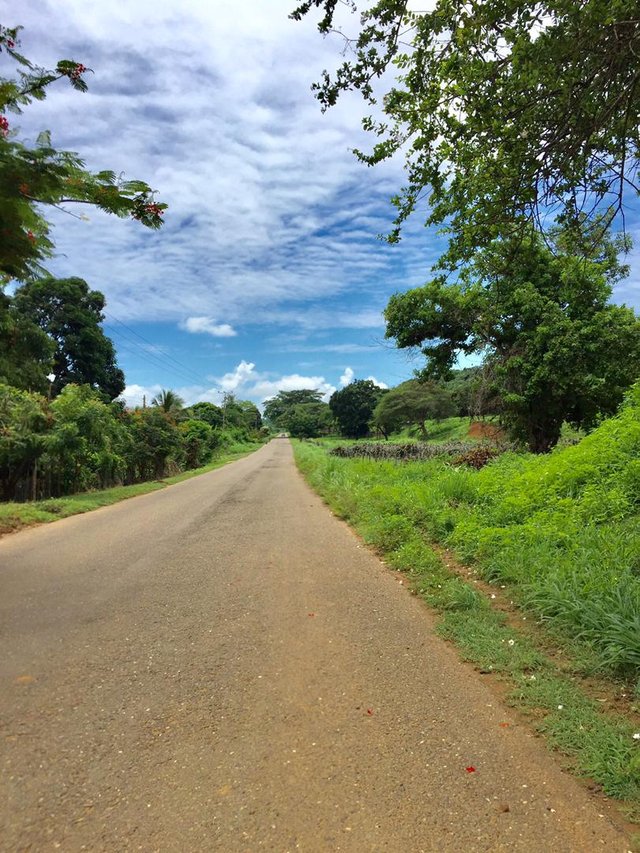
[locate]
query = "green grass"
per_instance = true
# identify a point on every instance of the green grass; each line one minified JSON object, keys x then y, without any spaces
{"x":560,"y":535}
{"x":13,"y":516}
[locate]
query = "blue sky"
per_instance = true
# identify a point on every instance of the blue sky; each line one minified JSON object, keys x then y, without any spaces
{"x":268,"y":273}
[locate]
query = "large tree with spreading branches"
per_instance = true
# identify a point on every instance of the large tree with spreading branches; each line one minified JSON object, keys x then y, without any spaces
{"x":508,"y":114}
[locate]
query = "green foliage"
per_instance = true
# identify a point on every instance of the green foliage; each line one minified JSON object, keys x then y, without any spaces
{"x":562,"y":529}
{"x":23,"y":420}
{"x":78,"y":442}
{"x":554,"y":349}
{"x":397,"y":508}
{"x":411,"y":404}
{"x":168,"y":401}
{"x":307,"y":420}
{"x":26,"y":352}
{"x":35,"y":177}
{"x":277,"y":408}
{"x":207,"y":412}
{"x":505,"y":111}
{"x":70,"y":314}
{"x":353,"y":406}
{"x":86,"y":444}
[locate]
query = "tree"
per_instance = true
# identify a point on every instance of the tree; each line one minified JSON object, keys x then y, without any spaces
{"x":26,"y":352}
{"x":168,"y":402}
{"x":554,"y":347}
{"x":71,"y":315}
{"x":276,"y":408}
{"x":198,"y":440}
{"x":353,"y":406}
{"x":471,"y":391}
{"x":156,"y":440}
{"x":207,"y":412}
{"x":505,"y":111}
{"x":35,"y":177}
{"x":413,"y":403}
{"x":84,"y":445}
{"x":308,"y":420}
{"x":23,"y":422}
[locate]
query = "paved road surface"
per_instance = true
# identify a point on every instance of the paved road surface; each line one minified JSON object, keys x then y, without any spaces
{"x":221,"y":666}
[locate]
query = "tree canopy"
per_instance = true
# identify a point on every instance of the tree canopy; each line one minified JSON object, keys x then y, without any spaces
{"x":412,"y":403}
{"x":506,"y":112}
{"x":276,"y":408}
{"x":71,"y":315}
{"x":40,"y":176}
{"x":308,"y":420}
{"x":554,"y":349}
{"x":353,"y":405}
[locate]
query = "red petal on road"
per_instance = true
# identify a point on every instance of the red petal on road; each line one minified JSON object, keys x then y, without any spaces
{"x":370,"y":712}
{"x":470,"y":769}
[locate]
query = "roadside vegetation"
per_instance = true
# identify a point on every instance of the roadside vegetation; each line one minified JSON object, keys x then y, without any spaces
{"x":67,"y":441}
{"x":554,"y":535}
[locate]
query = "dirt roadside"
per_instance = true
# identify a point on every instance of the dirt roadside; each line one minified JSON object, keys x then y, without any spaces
{"x":222,"y":666}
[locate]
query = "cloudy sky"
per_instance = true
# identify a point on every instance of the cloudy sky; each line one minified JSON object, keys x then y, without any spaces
{"x":268,"y":274}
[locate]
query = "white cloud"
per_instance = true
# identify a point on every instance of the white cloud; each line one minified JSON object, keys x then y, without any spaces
{"x":266,"y":388}
{"x":377,"y":382}
{"x":269,"y":211}
{"x":347,"y":376}
{"x":207,"y":326}
{"x":136,"y":395}
{"x":246,"y":382}
{"x":239,"y":377}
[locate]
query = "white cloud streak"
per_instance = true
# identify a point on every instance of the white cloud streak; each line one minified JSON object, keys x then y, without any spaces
{"x":207,"y":326}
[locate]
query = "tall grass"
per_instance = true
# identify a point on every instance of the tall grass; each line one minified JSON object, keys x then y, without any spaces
{"x":562,"y":528}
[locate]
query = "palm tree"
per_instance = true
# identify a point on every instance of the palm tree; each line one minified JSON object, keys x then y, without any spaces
{"x":167,"y":400}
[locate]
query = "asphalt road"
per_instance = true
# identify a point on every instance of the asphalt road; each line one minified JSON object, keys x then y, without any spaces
{"x":222,"y":666}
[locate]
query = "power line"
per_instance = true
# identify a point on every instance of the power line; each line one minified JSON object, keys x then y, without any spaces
{"x":150,"y":359}
{"x":166,"y":361}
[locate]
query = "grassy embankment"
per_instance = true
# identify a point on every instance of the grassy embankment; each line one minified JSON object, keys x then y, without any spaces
{"x":13,"y":516}
{"x":558,"y":535}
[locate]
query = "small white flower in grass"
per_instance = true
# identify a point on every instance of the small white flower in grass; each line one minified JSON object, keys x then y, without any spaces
{"x":636,"y":736}
{"x":512,"y":642}
{"x":560,"y":707}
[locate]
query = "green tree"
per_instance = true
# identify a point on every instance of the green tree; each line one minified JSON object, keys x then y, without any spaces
{"x":84,"y":444}
{"x":156,"y":440}
{"x":71,"y":315}
{"x":199,"y":442}
{"x":276,"y":408}
{"x":26,"y":352}
{"x":554,"y":347}
{"x":413,"y":403}
{"x":207,"y":412}
{"x":33,"y":178}
{"x":353,"y":406}
{"x":505,"y":111}
{"x":168,"y":402}
{"x":308,"y":420}
{"x":23,"y":423}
